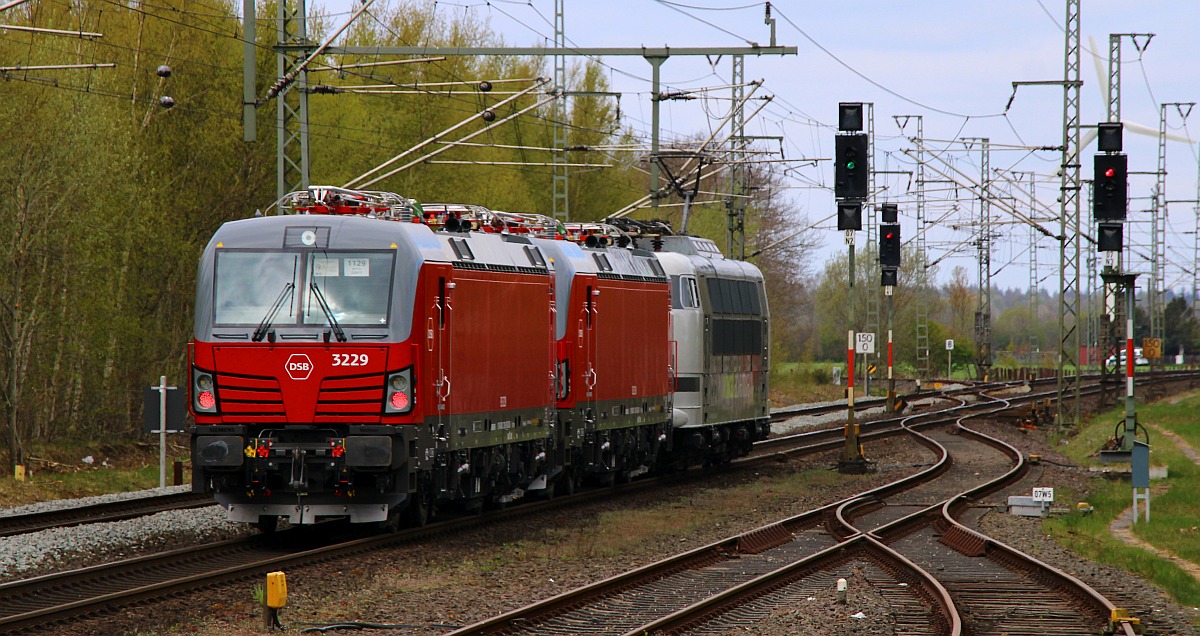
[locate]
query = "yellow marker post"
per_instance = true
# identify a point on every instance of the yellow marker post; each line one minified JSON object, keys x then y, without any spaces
{"x":275,"y":599}
{"x":19,"y":473}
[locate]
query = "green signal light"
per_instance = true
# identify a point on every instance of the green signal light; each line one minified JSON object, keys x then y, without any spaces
{"x":850,"y":165}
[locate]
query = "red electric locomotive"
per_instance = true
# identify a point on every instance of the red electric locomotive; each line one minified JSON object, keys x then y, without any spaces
{"x":350,"y":361}
{"x":614,"y":369}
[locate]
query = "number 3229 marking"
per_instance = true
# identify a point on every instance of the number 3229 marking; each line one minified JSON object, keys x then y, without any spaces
{"x":349,"y":359}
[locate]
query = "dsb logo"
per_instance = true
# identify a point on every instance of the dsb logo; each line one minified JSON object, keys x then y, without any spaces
{"x":298,"y":366}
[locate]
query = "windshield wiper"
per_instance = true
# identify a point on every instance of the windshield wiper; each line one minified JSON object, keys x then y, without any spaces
{"x":333,"y":323}
{"x":263,"y":326}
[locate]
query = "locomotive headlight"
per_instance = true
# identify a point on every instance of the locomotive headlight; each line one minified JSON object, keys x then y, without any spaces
{"x":204,"y":392}
{"x":399,"y":397}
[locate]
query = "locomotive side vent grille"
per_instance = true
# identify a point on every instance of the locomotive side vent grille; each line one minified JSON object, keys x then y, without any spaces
{"x":644,"y":279}
{"x":496,"y":267}
{"x":350,"y":396}
{"x":250,"y":396}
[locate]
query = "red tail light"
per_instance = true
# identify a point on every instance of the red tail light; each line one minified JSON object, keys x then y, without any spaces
{"x":399,"y":401}
{"x":206,"y":400}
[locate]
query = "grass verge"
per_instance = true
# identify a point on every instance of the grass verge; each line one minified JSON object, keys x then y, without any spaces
{"x":60,"y":472}
{"x":1175,"y":509}
{"x":801,"y":382}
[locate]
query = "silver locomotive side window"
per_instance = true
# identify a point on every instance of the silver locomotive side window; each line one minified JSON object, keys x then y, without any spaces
{"x":685,"y":294}
{"x":691,"y":295}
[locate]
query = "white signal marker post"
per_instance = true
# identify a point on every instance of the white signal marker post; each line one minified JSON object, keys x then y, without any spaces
{"x":888,"y":291}
{"x":949,"y":351}
{"x":852,"y":461}
{"x":162,"y":430}
{"x":852,"y":456}
{"x":1130,"y":361}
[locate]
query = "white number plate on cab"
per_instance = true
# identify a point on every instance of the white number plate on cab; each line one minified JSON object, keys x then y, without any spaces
{"x":350,"y":360}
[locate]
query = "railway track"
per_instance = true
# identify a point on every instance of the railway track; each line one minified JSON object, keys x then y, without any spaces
{"x":133,"y":508}
{"x":101,"y":512}
{"x":60,"y":598}
{"x":733,"y":584}
{"x":52,"y":599}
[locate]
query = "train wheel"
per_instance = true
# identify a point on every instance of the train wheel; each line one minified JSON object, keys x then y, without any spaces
{"x":418,"y":512}
{"x":393,"y":522}
{"x":566,"y":483}
{"x":267,"y":524}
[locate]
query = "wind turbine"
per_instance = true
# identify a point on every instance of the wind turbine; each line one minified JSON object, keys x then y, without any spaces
{"x":1132,"y":126}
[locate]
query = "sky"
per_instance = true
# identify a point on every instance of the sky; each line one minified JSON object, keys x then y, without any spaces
{"x":949,"y":61}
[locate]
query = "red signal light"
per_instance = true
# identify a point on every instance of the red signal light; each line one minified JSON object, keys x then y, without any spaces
{"x":1110,"y":173}
{"x":889,"y":235}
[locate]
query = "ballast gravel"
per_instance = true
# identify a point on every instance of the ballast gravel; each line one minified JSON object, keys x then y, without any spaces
{"x":64,"y":504}
{"x":56,"y":549}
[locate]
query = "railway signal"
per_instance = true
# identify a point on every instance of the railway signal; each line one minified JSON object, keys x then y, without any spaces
{"x":850,"y":116}
{"x":851,"y":173}
{"x":851,"y":185}
{"x":1110,"y":237}
{"x":1112,"y":187}
{"x":889,"y":212}
{"x":1108,"y":136}
{"x":849,"y":215}
{"x":889,"y":244}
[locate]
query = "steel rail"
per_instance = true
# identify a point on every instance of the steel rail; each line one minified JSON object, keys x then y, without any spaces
{"x":101,"y":512}
{"x":106,"y":576}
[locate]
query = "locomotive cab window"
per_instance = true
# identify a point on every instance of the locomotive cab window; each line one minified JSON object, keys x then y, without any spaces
{"x":248,"y":284}
{"x":355,"y":285}
{"x":685,"y":294}
{"x":286,"y":288}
